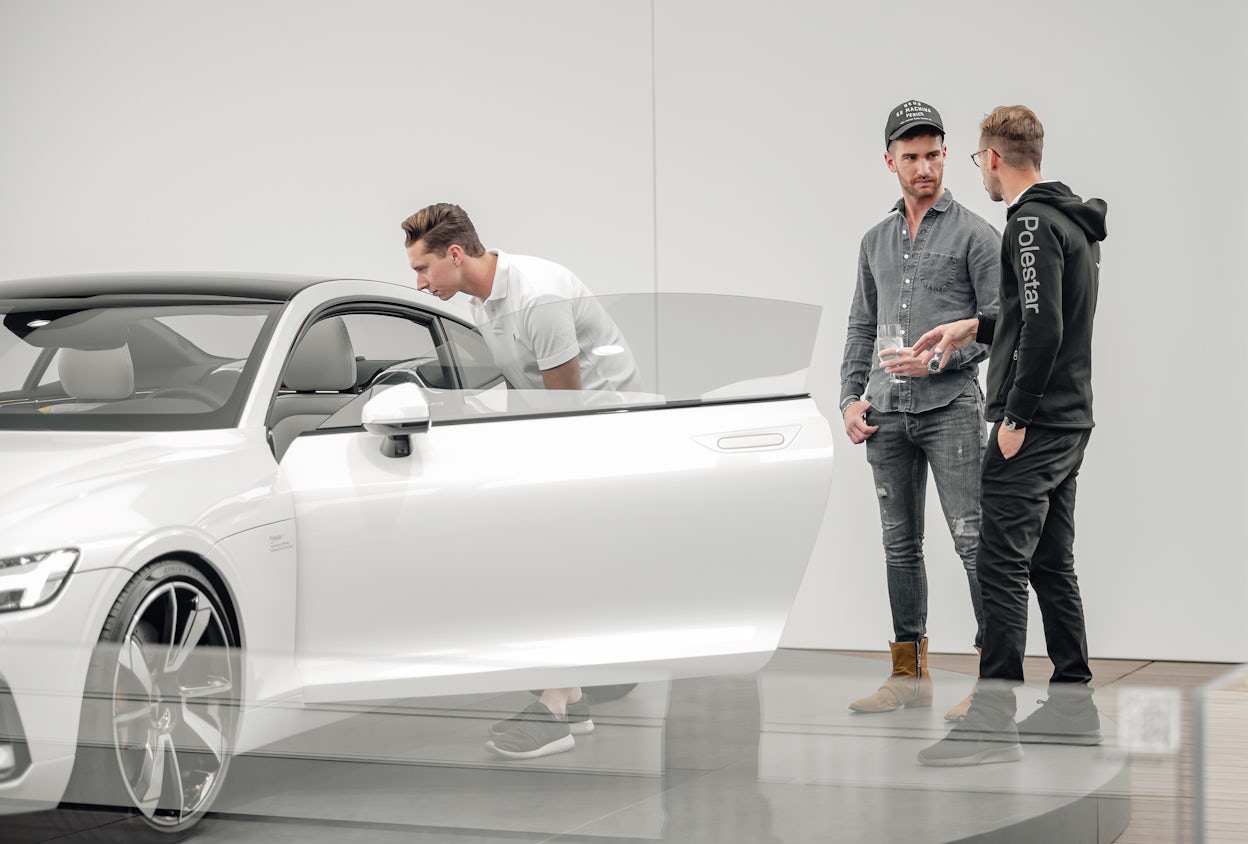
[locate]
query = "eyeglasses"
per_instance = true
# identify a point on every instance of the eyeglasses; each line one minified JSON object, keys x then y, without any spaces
{"x":977,"y":156}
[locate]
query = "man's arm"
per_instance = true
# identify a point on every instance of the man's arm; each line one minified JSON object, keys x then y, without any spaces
{"x":947,"y":338}
{"x":983,"y":262}
{"x":565,"y":376}
{"x":859,"y":347}
{"x":550,"y":327}
{"x":1037,"y":259}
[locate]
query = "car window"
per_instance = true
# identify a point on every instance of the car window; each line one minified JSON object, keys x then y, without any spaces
{"x":217,"y":335}
{"x":121,"y":366}
{"x":341,"y":355}
{"x":632,"y":351}
{"x":476,"y":364}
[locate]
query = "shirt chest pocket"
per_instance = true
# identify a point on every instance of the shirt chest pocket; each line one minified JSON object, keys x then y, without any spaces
{"x":940,"y":272}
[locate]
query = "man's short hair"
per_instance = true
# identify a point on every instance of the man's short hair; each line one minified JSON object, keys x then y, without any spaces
{"x":441,"y":226}
{"x":922,"y":131}
{"x":1016,"y":134}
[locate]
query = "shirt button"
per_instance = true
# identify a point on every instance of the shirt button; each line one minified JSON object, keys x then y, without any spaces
{"x":906,"y":256}
{"x":907,"y":281}
{"x":903,"y":231}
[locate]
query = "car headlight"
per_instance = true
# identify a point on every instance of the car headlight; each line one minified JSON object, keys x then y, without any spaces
{"x":29,"y":580}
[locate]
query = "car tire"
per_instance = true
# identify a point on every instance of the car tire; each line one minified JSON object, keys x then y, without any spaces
{"x":160,"y":709}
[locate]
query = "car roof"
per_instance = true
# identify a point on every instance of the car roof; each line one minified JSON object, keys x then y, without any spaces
{"x":255,"y":286}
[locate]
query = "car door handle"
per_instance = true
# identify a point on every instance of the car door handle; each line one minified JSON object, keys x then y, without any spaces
{"x":765,"y":439}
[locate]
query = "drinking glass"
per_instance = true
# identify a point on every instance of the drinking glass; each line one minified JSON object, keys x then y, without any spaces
{"x":888,"y":336}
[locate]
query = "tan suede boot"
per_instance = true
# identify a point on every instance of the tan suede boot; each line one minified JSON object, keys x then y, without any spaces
{"x":958,"y":712}
{"x":909,"y":684}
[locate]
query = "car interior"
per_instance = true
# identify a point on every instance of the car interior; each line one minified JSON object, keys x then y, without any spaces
{"x":321,"y":377}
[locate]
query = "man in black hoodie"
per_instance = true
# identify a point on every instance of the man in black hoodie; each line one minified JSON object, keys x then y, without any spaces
{"x":1040,"y":399}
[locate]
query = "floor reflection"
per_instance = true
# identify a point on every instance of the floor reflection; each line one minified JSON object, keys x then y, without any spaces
{"x":769,"y":757}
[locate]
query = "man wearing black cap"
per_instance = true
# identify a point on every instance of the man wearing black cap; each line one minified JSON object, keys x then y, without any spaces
{"x":930,"y":261}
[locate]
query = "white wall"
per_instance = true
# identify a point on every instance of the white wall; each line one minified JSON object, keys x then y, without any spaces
{"x":295,"y":135}
{"x":770,"y":119}
{"x":694,"y":146}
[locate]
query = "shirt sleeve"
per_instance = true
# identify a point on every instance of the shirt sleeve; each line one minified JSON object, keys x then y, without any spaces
{"x":1036,"y":259}
{"x":860,"y":338}
{"x":983,"y":262}
{"x":550,"y":331}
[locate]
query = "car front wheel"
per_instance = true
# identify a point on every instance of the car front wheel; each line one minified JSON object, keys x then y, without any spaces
{"x":160,"y":712}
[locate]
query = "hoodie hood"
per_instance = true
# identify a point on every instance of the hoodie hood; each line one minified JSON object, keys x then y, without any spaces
{"x":1089,"y":216}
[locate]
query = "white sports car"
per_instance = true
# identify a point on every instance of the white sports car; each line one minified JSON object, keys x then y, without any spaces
{"x":228,"y":498}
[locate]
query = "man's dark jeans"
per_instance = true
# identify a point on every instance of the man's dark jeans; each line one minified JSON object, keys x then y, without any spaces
{"x":950,"y":439}
{"x":1028,"y":536}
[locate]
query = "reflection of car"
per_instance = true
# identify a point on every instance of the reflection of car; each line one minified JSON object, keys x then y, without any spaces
{"x":227,"y":498}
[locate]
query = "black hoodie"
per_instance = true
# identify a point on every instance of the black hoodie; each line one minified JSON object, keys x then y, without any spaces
{"x":1040,"y":371}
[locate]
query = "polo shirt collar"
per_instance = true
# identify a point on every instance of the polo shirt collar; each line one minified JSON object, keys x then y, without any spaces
{"x":502,"y":272}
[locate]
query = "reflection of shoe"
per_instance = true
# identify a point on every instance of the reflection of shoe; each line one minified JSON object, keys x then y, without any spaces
{"x":1062,"y":719}
{"x":975,"y":741}
{"x":532,"y":733}
{"x":958,"y":712}
{"x":579,"y":722}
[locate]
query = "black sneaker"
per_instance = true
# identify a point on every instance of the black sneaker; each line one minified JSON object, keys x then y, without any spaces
{"x":1062,"y":721}
{"x":579,"y":722}
{"x":532,"y":733}
{"x":974,"y":741}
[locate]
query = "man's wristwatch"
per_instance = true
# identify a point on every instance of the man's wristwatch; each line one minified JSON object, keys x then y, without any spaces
{"x":1010,"y":424}
{"x":933,"y":365}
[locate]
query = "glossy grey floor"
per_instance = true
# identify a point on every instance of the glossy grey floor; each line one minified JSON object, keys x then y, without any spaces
{"x":769,"y":757}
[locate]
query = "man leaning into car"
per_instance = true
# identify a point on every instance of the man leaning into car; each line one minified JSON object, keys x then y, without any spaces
{"x":929,"y":261}
{"x":554,"y":331}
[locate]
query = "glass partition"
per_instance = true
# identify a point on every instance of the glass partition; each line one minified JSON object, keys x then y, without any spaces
{"x":632,"y":351}
{"x":1220,"y":759}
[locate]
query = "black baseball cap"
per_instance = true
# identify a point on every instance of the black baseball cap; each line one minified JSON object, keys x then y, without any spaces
{"x":907,"y":116}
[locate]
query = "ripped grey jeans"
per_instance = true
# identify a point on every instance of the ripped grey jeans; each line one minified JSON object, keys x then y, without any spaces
{"x":951,"y":440}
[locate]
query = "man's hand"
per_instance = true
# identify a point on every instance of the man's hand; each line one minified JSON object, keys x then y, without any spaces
{"x":905,"y":362}
{"x":1010,"y":441}
{"x":856,"y":422}
{"x":944,"y":339}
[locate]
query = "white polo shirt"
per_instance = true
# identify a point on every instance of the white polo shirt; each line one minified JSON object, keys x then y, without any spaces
{"x":539,"y":315}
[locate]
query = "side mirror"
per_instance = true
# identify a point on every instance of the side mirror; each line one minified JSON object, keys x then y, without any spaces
{"x":395,"y":414}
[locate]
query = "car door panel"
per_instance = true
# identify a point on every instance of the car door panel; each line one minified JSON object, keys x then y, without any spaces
{"x":555,"y":547}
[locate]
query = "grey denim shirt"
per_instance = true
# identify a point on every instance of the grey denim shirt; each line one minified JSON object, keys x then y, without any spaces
{"x":951,"y":271}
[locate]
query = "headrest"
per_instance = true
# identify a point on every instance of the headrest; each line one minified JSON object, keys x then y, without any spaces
{"x":324,"y":360}
{"x":98,"y":375}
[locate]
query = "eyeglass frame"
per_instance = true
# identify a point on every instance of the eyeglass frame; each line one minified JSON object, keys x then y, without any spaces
{"x":975,"y":156}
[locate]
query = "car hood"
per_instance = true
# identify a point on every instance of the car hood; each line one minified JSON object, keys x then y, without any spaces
{"x":77,"y":487}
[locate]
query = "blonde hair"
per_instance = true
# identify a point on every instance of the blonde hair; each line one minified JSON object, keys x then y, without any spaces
{"x":1016,"y":134}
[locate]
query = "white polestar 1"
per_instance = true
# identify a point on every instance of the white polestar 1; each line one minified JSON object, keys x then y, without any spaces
{"x":228,"y":498}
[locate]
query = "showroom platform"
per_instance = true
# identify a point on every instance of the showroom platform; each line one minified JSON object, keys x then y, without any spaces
{"x":769,"y":757}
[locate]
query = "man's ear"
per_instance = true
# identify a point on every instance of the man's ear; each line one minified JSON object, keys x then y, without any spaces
{"x":888,"y":161}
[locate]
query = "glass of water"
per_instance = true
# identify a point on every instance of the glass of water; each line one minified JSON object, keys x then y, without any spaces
{"x":888,"y":336}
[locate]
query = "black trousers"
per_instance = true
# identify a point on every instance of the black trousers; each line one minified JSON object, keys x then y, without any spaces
{"x":1027,"y":535}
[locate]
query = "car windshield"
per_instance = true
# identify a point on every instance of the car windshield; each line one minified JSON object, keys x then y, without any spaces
{"x":127,"y":363}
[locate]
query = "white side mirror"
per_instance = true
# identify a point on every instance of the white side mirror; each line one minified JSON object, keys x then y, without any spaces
{"x":397,"y":413}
